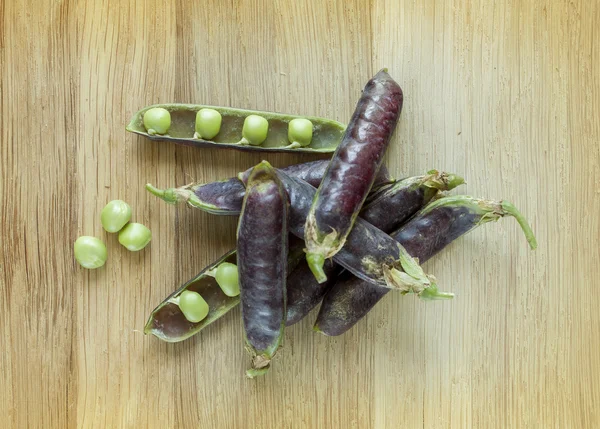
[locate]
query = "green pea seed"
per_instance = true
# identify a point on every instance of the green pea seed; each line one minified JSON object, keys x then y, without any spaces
{"x":300,"y":131}
{"x":157,"y":120}
{"x":193,"y":306}
{"x":208,"y":123}
{"x":135,"y":236}
{"x":255,"y":129}
{"x":227,"y":278}
{"x":90,"y":252}
{"x":115,"y":215}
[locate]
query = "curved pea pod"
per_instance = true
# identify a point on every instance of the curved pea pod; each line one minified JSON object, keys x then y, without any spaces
{"x":225,"y":197}
{"x":326,"y":136}
{"x":432,"y":229}
{"x":369,"y":253}
{"x":352,"y":171}
{"x":262,"y":245}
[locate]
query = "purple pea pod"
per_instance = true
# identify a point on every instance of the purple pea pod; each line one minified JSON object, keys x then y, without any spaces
{"x":432,"y":229}
{"x":352,"y":171}
{"x":262,"y":247}
{"x":225,"y":197}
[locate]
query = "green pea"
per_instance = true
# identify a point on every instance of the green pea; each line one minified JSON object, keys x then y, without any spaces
{"x":208,"y":123}
{"x":115,"y":215}
{"x":193,"y":306}
{"x":255,"y":130}
{"x":300,"y":132}
{"x":135,"y":236}
{"x":157,"y":120}
{"x":227,"y":278}
{"x":90,"y":252}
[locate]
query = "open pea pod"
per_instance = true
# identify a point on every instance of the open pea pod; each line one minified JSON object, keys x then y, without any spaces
{"x":181,"y":129}
{"x":178,"y":328}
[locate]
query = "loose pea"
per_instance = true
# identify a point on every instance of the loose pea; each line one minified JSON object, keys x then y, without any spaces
{"x":255,"y":130}
{"x":157,"y":120}
{"x":193,"y":306}
{"x":90,"y":252}
{"x":300,"y":132}
{"x":135,"y":236}
{"x":208,"y":123}
{"x":115,"y":215}
{"x":227,"y":278}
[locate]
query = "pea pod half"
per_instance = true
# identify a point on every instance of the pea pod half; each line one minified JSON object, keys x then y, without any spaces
{"x":326,"y":134}
{"x":225,"y":197}
{"x":352,"y":170}
{"x":262,"y":245}
{"x":432,"y":229}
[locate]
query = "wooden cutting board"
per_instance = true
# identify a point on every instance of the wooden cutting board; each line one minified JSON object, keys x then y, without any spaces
{"x":504,"y":93}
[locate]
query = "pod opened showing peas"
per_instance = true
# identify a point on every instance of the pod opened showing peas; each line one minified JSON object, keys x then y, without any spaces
{"x":203,"y":126}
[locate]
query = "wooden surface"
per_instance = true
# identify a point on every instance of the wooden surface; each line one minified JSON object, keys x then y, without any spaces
{"x":505,"y":93}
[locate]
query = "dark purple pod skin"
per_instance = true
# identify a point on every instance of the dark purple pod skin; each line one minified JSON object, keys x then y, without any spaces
{"x":225,"y":197}
{"x":304,"y":292}
{"x":262,"y":247}
{"x":436,"y":226}
{"x":352,"y":170}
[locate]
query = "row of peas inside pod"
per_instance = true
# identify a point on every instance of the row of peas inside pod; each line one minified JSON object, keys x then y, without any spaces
{"x":157,"y":121}
{"x":90,"y":252}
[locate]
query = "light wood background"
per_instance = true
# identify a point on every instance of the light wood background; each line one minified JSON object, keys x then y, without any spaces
{"x":504,"y":92}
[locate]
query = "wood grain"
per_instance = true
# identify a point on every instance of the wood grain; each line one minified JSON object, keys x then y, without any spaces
{"x":505,"y":93}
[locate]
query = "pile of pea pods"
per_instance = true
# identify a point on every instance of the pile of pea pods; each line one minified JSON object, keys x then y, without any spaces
{"x":339,"y":232}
